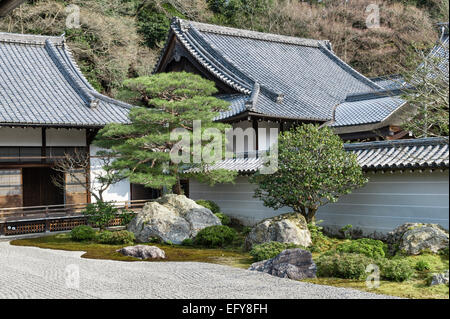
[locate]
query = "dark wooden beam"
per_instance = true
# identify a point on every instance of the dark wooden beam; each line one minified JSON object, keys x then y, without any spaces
{"x":44,"y":144}
{"x":255,"y":128}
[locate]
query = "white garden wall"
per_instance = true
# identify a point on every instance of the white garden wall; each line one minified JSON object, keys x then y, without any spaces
{"x":387,"y":201}
{"x":117,"y":192}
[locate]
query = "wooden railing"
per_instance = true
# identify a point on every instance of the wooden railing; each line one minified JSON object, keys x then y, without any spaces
{"x":38,"y":219}
{"x":64,"y":210}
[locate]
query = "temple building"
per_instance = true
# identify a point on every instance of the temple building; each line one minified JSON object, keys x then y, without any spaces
{"x":275,"y":81}
{"x":48,"y":109}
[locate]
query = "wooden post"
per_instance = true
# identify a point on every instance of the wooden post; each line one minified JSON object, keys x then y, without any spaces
{"x":255,"y":128}
{"x":47,"y":221}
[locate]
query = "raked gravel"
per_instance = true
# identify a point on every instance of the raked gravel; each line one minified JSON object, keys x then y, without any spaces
{"x":30,"y":272}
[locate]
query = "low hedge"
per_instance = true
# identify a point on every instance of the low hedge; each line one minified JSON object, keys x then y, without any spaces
{"x":224,"y":219}
{"x":215,"y":236}
{"x":270,"y":250}
{"x":369,"y":247}
{"x":343,"y":265}
{"x":396,"y":270}
{"x":82,"y":233}
{"x":120,"y":237}
{"x":209,"y":204}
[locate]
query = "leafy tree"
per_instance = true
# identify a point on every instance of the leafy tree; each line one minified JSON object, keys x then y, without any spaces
{"x":313,"y":170}
{"x":142,"y":149}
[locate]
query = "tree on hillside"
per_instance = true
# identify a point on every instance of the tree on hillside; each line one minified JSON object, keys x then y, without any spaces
{"x":313,"y":170}
{"x":428,"y":94}
{"x":143,"y":149}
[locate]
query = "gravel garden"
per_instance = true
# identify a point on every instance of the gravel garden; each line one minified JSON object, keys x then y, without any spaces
{"x":336,"y":261}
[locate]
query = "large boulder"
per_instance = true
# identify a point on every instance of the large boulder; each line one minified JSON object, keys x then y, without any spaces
{"x":286,"y":228}
{"x":143,"y":252}
{"x":172,"y":218}
{"x":413,"y":238}
{"x":294,"y":264}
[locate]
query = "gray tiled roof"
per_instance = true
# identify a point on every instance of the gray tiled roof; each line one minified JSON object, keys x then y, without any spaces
{"x":366,"y":109}
{"x":295,"y":78}
{"x":40,"y":84}
{"x":402,"y":154}
{"x":399,"y":154}
{"x":389,"y":82}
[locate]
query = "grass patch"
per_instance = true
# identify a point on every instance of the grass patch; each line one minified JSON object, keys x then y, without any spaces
{"x":228,"y":257}
{"x":416,"y":289}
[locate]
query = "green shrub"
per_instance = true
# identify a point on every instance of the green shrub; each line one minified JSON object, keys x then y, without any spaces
{"x":320,"y":242}
{"x":346,"y":231}
{"x":187,"y":242}
{"x":343,"y":265}
{"x":120,"y":237}
{"x":396,"y":269}
{"x":422,"y":265}
{"x":215,"y":236}
{"x":444,"y":252}
{"x":100,"y":214}
{"x":82,"y":232}
{"x":224,"y":219}
{"x":366,"y":246}
{"x":246,"y":230}
{"x":210,"y":205}
{"x":126,"y":217}
{"x":270,"y":250}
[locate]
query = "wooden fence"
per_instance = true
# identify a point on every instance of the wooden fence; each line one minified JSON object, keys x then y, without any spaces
{"x":38,"y":219}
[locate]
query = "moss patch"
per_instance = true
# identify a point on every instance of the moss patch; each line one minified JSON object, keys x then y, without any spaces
{"x":229,"y":257}
{"x":416,"y":289}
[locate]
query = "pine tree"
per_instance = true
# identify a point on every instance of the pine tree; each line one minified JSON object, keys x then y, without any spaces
{"x":142,"y":148}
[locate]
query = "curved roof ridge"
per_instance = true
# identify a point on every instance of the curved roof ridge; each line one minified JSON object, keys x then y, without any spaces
{"x":395,"y":143}
{"x":222,"y":66}
{"x":348,"y":68}
{"x":72,"y":64}
{"x":211,"y":28}
{"x":63,"y":67}
{"x":18,"y":38}
{"x":373,"y":95}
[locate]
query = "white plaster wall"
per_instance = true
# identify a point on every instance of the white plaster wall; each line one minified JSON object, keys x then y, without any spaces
{"x":117,"y":192}
{"x":388,"y":200}
{"x":66,"y":137}
{"x":243,"y":144}
{"x":18,"y":136}
{"x":265,"y":139}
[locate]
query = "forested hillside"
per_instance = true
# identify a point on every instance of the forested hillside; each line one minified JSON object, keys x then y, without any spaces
{"x":122,"y":38}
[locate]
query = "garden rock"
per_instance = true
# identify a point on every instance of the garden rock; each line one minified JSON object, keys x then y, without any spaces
{"x":290,"y":263}
{"x":412,"y":238}
{"x":439,"y":279}
{"x":286,"y":228}
{"x":143,"y":252}
{"x":172,"y":218}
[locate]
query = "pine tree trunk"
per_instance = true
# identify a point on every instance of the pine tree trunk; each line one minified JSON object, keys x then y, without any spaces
{"x":177,"y":188}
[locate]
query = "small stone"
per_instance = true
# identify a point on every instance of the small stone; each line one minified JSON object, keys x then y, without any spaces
{"x":294,"y":264}
{"x":143,"y":252}
{"x":439,"y":279}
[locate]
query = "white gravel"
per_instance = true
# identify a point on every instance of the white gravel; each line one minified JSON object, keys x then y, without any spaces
{"x":29,"y":272}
